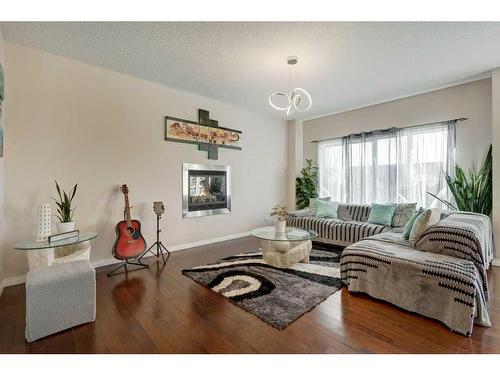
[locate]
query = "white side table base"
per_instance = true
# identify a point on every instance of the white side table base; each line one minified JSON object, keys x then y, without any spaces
{"x":72,"y":253}
{"x":40,"y":258}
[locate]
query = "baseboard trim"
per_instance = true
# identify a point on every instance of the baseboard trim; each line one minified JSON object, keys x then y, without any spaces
{"x":209,"y":241}
{"x":109,"y":261}
{"x":496,"y":262}
{"x":9,"y":281}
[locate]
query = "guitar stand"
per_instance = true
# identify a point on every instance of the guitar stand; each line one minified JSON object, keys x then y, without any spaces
{"x":160,"y":248}
{"x":124,"y":265}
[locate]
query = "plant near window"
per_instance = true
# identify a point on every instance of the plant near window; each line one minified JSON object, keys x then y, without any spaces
{"x":472,"y":192}
{"x":65,"y":211}
{"x":306,"y":186}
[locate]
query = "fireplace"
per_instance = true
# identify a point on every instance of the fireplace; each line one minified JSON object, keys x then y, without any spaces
{"x":206,"y":190}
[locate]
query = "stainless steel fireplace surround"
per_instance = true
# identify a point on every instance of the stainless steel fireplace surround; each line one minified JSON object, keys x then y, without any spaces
{"x":206,"y":190}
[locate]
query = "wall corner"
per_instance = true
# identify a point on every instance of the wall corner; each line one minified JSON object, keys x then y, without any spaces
{"x":495,"y":141}
{"x":295,"y":133}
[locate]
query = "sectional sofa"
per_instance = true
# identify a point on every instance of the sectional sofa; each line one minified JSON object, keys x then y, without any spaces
{"x":442,"y":277}
{"x":350,"y":227}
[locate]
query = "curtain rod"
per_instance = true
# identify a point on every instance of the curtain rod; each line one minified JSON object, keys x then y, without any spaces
{"x":405,"y":127}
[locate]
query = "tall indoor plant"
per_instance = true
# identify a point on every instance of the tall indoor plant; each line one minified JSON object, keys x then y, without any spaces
{"x":472,"y":192}
{"x":65,"y":210}
{"x":306,"y":186}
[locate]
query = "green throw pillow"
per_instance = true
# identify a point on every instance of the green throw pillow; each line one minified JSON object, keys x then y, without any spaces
{"x":312,"y":204}
{"x":409,"y":224}
{"x":382,"y":213}
{"x":427,"y":219}
{"x":326,"y":209}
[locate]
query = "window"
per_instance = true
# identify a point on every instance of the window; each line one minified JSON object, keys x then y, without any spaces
{"x":393,"y":165}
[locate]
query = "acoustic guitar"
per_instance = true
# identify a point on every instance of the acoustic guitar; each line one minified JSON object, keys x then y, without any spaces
{"x":129,"y":241}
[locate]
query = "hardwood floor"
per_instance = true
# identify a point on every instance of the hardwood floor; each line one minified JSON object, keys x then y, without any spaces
{"x":162,"y":311}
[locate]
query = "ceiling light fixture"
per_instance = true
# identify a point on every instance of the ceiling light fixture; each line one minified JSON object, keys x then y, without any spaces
{"x":298,"y":101}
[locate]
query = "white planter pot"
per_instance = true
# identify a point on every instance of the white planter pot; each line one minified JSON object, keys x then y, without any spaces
{"x":280,"y":226}
{"x":65,"y":227}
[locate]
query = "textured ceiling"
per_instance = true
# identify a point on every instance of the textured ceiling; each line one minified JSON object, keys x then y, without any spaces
{"x":342,"y":65}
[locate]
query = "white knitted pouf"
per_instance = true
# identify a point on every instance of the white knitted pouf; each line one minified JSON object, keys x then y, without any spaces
{"x":59,"y":297}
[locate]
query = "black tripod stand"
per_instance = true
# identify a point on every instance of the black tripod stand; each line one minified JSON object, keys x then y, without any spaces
{"x":160,"y":248}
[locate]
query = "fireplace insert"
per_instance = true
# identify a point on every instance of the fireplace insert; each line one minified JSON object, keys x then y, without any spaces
{"x":206,"y":190}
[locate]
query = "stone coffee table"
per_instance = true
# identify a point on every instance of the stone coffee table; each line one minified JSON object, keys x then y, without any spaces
{"x":283,"y":250}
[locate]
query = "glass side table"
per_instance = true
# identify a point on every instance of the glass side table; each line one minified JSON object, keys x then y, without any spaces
{"x":41,"y":253}
{"x":285,"y":249}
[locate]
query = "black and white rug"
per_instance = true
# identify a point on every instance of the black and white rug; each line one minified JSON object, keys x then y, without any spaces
{"x":277,"y":296}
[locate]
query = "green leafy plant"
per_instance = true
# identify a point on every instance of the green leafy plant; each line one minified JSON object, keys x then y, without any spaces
{"x":472,"y":192}
{"x":64,"y":210}
{"x":306,"y":186}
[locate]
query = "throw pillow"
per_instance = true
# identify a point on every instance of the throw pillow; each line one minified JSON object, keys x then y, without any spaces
{"x":382,"y":213}
{"x":402,"y":214}
{"x":423,"y":221}
{"x":409,"y":224}
{"x":327,"y":209}
{"x":300,"y":213}
{"x":312,"y":204}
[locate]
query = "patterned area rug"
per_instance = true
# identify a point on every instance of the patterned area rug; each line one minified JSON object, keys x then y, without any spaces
{"x":277,"y":296}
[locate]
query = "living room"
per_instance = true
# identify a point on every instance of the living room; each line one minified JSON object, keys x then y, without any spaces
{"x":258,"y":187}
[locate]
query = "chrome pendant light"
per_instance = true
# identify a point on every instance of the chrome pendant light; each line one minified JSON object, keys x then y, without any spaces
{"x":298,"y":101}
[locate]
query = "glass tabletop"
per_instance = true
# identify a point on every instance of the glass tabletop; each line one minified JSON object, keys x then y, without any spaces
{"x":291,"y":234}
{"x":38,"y":245}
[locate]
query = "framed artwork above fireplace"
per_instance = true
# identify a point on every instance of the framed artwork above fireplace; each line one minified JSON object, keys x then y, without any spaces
{"x":206,"y":190}
{"x":206,"y":133}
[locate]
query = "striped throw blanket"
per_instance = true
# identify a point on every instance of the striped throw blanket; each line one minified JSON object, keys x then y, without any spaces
{"x":438,"y":286}
{"x":351,"y":225}
{"x":463,"y":235}
{"x":336,"y":231}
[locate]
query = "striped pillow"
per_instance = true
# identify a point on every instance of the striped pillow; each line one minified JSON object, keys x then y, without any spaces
{"x":354,"y":212}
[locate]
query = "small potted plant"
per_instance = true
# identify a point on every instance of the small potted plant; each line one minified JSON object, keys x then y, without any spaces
{"x":281,"y":214}
{"x":65,"y":211}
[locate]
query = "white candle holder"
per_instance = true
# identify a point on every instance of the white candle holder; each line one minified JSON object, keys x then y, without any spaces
{"x":44,"y":222}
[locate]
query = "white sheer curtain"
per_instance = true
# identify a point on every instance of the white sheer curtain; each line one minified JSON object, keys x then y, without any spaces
{"x":392,"y":165}
{"x":331,"y":169}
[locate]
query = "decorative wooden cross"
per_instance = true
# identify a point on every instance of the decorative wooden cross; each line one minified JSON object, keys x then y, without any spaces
{"x":185,"y":131}
{"x":211,"y":149}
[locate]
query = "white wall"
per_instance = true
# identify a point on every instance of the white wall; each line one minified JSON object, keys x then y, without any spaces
{"x":2,"y":62}
{"x":472,"y":100}
{"x":78,"y":123}
{"x":295,"y":154}
{"x":495,"y":135}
